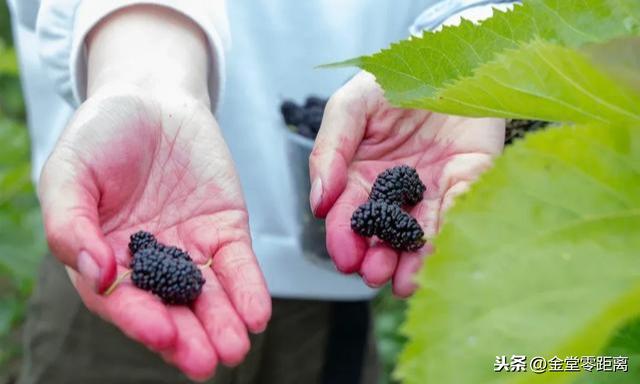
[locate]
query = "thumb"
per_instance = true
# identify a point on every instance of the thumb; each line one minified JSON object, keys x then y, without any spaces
{"x":342,"y":130}
{"x":70,"y":212}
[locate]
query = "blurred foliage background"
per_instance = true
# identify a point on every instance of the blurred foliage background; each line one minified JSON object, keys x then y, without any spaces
{"x":389,"y":315}
{"x":21,"y":237}
{"x":22,"y":242}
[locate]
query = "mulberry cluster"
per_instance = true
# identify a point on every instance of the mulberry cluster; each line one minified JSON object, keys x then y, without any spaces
{"x":139,"y":240}
{"x":382,"y":215}
{"x":166,"y":271}
{"x":398,"y":185}
{"x":172,"y":251}
{"x":390,"y":223}
{"x":517,"y":128}
{"x":306,"y":119}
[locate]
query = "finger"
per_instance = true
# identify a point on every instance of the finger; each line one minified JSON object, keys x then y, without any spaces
{"x":343,"y":127}
{"x":347,"y":249}
{"x":193,"y":353}
{"x":72,"y":226}
{"x":449,"y":198}
{"x":138,"y":314}
{"x":409,"y":263}
{"x":378,"y":265}
{"x":236,"y":267}
{"x":457,"y":175}
{"x":426,"y":213}
{"x":224,"y":327}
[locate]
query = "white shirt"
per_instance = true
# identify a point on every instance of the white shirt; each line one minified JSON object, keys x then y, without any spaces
{"x":276,"y":46}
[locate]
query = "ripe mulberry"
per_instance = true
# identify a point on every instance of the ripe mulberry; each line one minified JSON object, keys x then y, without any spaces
{"x":140,"y":240}
{"x":144,"y":239}
{"x":313,"y":118}
{"x":315,"y":101}
{"x":517,"y":128}
{"x":398,"y":185}
{"x":172,"y":251}
{"x":390,"y":223}
{"x":176,"y":280}
{"x":292,"y":113}
{"x":305,"y":119}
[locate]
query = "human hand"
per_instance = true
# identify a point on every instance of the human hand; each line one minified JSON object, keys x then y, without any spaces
{"x":125,"y":164}
{"x":149,"y":155}
{"x":362,"y":135}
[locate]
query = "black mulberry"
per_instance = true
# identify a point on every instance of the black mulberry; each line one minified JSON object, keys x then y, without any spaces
{"x":306,"y":118}
{"x":176,"y":280}
{"x":398,"y":185}
{"x":315,"y":101}
{"x":306,"y":131}
{"x":313,"y":117}
{"x":292,"y":113}
{"x":390,"y":223}
{"x":140,"y":240}
{"x":517,"y":128}
{"x":172,"y":251}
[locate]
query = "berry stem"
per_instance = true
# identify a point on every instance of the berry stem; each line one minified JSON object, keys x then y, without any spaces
{"x":121,"y":278}
{"x":208,"y":263}
{"x":116,"y":283}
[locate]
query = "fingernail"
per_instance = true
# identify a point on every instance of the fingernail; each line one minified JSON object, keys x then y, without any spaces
{"x":316,"y":194}
{"x":89,"y":269}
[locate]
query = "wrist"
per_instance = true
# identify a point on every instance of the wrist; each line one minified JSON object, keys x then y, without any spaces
{"x":150,"y":48}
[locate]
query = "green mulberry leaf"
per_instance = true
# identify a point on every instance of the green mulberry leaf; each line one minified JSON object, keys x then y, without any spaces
{"x":540,"y":258}
{"x":620,"y":58}
{"x":477,"y":70}
{"x":538,"y":81}
{"x":625,"y":343}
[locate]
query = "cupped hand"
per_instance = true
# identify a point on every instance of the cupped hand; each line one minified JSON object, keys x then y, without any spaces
{"x":128,"y":162}
{"x":362,"y":135}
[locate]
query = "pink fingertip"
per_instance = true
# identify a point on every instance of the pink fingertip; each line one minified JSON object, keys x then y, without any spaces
{"x":404,"y":284}
{"x":257,"y":313}
{"x":193,"y":353}
{"x":346,"y":249}
{"x":236,"y":346}
{"x":378,"y":266}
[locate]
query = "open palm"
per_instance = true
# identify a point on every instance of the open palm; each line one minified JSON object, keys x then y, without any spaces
{"x":126,"y":163}
{"x":361,"y":136}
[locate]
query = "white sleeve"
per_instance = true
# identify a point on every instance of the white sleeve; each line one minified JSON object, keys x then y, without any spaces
{"x":451,"y":13}
{"x":24,"y":11}
{"x":63,"y":25}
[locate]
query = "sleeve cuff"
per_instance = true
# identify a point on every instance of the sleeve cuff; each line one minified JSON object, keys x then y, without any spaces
{"x":62,"y":31}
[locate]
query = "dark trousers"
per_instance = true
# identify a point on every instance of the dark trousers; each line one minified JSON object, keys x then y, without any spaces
{"x":306,"y":342}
